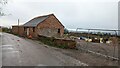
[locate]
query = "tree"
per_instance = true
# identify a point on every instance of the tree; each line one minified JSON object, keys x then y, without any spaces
{"x":2,"y":3}
{"x":66,"y":31}
{"x":99,"y":34}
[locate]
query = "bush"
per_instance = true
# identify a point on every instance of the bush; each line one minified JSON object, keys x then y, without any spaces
{"x":66,"y":31}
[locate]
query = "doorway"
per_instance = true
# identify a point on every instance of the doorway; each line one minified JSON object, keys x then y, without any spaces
{"x":28,"y":31}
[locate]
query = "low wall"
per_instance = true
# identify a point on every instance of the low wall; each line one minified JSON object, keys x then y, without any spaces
{"x":61,"y":43}
{"x":0,"y":29}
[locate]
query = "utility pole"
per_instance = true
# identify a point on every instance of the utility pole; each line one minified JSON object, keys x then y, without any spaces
{"x":18,"y":26}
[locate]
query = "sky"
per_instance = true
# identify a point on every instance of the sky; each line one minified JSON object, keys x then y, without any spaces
{"x":102,"y":14}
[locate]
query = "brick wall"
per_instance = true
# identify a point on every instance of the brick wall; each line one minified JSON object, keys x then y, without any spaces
{"x":0,"y":29}
{"x":15,"y":29}
{"x":53,"y":24}
{"x":32,"y":31}
{"x":18,"y":30}
{"x":52,"y":32}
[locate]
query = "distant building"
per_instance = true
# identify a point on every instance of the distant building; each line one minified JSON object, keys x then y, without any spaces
{"x":47,"y":25}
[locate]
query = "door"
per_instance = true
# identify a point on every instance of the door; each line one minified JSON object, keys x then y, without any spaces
{"x":28,"y":31}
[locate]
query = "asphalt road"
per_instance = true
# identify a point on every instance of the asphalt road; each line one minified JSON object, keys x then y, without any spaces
{"x":0,"y":49}
{"x":17,"y":51}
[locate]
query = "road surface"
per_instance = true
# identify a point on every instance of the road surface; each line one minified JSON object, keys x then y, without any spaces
{"x":0,"y":49}
{"x":18,"y":51}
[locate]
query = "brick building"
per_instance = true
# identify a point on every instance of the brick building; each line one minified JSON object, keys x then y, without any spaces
{"x":47,"y":25}
{"x":0,"y":29}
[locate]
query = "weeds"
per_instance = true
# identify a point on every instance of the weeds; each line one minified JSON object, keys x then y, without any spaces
{"x":51,"y":41}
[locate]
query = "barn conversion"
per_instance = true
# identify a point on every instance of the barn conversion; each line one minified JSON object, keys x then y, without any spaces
{"x":47,"y":25}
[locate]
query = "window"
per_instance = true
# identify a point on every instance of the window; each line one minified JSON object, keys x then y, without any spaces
{"x":33,"y":29}
{"x":58,"y":30}
{"x":24,"y":28}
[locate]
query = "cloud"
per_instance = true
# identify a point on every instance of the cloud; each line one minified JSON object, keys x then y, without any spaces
{"x":80,"y":13}
{"x":66,"y":1}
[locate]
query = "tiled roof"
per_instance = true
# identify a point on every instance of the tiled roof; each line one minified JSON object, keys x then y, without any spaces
{"x":35,"y":21}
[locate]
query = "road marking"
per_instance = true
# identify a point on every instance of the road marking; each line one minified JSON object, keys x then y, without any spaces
{"x":10,"y":48}
{"x":6,"y":45}
{"x":12,"y":51}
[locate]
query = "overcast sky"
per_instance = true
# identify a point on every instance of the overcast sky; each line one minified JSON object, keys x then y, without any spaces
{"x":72,"y":13}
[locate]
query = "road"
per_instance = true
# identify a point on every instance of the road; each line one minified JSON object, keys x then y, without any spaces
{"x":17,"y":51}
{"x":0,"y":49}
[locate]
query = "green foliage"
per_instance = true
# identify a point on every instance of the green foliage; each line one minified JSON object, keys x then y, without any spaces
{"x":50,"y":41}
{"x":66,"y":31}
{"x":8,"y":30}
{"x":64,"y":46}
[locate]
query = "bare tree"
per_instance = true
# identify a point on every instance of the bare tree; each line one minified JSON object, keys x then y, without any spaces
{"x":2,"y":4}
